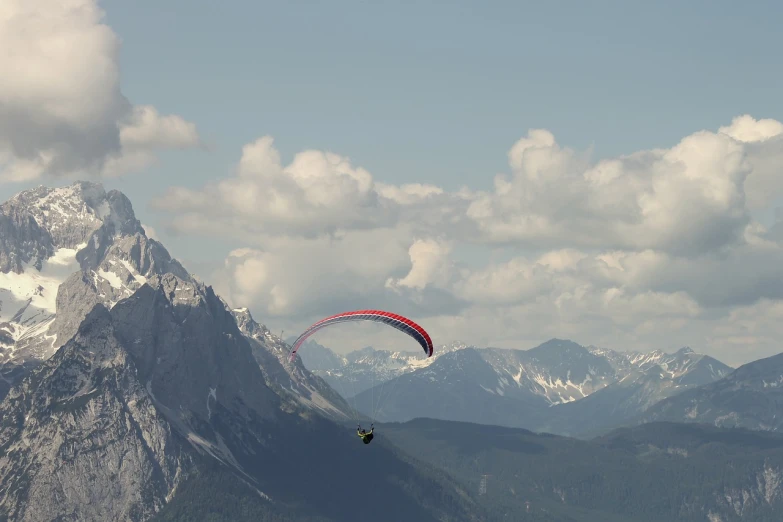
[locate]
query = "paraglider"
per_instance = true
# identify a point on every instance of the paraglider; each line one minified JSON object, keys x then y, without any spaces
{"x":366,"y":437}
{"x":399,"y":322}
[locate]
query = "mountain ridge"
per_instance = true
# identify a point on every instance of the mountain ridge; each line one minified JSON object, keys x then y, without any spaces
{"x":560,"y":386}
{"x":750,"y":397}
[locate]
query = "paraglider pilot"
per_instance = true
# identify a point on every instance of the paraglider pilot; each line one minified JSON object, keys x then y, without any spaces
{"x":366,"y":437}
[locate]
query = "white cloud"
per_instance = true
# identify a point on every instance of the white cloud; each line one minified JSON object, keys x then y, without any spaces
{"x":686,"y":200}
{"x":736,"y":276}
{"x":318,"y":192}
{"x":408,"y":194}
{"x":747,"y":332}
{"x":656,"y":247}
{"x":147,"y":129}
{"x":150,"y":232}
{"x":513,"y":282}
{"x":143,"y":133}
{"x":304,"y":277}
{"x":747,"y":129}
{"x":430,"y":264}
{"x":61,"y":108}
{"x":763,"y":141}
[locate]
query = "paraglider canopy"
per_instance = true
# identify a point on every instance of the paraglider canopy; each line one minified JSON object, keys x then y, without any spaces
{"x":394,"y":320}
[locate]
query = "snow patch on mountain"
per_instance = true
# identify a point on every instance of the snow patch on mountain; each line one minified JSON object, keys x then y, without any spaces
{"x":38,"y":286}
{"x":59,"y":209}
{"x":559,"y":387}
{"x":28,"y":299}
{"x":63,"y":250}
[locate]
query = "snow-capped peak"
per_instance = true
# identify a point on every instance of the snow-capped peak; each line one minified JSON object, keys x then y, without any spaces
{"x":63,"y":250}
{"x":70,"y":215}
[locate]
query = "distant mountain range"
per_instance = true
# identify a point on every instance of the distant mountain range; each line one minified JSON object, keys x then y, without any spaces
{"x":559,"y":386}
{"x":750,"y":397}
{"x":363,"y":369}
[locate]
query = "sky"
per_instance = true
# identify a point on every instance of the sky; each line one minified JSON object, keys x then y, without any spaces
{"x":501,"y":172}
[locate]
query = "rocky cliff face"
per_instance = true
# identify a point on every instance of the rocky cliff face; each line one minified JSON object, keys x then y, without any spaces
{"x":104,"y":429}
{"x":749,"y":397}
{"x":81,"y":438}
{"x":291,"y":377}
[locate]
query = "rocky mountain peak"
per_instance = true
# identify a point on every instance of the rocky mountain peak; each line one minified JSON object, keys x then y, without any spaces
{"x":69,"y":216}
{"x":62,"y":251}
{"x":247,"y":325}
{"x":558,"y":348}
{"x":188,"y":349}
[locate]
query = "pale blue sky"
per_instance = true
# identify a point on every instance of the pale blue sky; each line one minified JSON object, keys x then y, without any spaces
{"x":438,"y":91}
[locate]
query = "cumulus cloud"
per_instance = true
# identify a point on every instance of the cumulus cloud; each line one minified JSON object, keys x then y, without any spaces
{"x":318,"y":192}
{"x":763,"y":142}
{"x":689,"y":199}
{"x":289,"y":276}
{"x":739,"y":276}
{"x":747,"y":332}
{"x":612,"y":252}
{"x":408,"y":194}
{"x":145,"y":132}
{"x":747,"y":129}
{"x":430,"y":264}
{"x":62,"y":111}
{"x":150,"y":232}
{"x":508,"y":283}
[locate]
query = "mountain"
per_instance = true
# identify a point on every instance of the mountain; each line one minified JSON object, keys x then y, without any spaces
{"x":122,"y":416}
{"x":491,"y":386}
{"x":646,"y":380}
{"x":102,"y":428}
{"x":561,"y":371}
{"x":62,"y":251}
{"x":683,"y":368}
{"x":655,"y":472}
{"x":558,"y":387}
{"x":749,"y":397}
{"x":68,"y":249}
{"x":452,"y":388}
{"x":159,"y":407}
{"x":318,"y":358}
